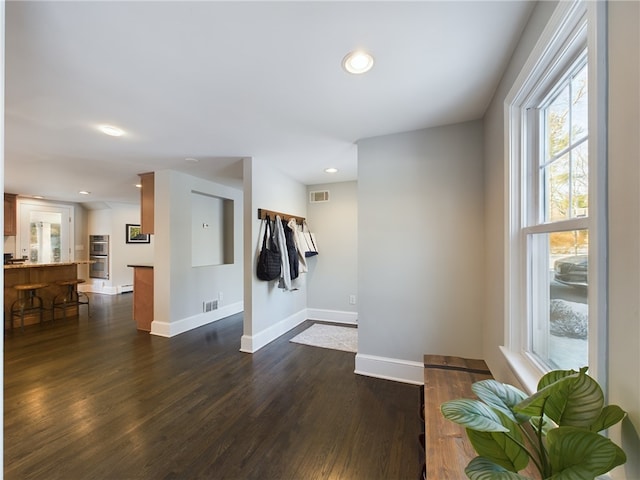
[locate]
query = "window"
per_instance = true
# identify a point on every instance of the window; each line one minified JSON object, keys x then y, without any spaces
{"x":555,"y":215}
{"x":556,"y":227}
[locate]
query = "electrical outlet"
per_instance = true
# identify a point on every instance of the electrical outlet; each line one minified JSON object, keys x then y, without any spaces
{"x":352,"y":299}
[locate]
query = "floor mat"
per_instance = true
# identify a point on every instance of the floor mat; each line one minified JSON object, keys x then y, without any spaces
{"x":329,"y":336}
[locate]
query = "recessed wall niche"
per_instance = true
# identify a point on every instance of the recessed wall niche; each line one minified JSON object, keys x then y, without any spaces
{"x":211,"y":230}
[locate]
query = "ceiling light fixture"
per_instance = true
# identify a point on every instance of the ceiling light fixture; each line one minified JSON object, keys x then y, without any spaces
{"x":84,"y":192}
{"x":331,"y":170}
{"x":111,"y":130}
{"x":357,"y":62}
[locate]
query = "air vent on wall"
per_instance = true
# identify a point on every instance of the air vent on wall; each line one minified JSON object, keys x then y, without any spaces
{"x":319,"y":196}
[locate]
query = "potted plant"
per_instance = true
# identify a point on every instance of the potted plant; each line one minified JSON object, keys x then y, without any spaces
{"x":556,"y":428}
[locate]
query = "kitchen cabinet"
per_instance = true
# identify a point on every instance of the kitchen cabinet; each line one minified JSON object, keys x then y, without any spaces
{"x":147,"y":198}
{"x":10,"y":214}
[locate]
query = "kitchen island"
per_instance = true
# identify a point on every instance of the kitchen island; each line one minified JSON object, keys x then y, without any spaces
{"x":49,"y":273}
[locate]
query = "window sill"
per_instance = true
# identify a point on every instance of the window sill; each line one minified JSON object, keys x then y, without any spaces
{"x":526,"y":372}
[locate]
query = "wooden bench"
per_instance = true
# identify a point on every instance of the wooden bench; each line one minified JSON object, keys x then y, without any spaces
{"x":447,"y":448}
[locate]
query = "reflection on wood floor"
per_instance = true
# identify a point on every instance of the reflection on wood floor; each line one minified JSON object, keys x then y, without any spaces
{"x":96,"y":399}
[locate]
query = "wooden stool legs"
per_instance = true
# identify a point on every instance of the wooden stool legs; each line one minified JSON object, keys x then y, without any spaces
{"x":27,"y":302}
{"x":71,"y":297}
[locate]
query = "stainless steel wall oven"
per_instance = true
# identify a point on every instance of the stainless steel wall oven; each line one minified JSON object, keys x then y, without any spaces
{"x":99,"y":256}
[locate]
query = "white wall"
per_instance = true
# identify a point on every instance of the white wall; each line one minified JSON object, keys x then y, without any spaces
{"x":179,"y":288}
{"x":624,"y":219}
{"x":333,"y":274}
{"x":420,"y":247}
{"x":112,"y":221}
{"x":624,"y":227}
{"x":269,"y":311}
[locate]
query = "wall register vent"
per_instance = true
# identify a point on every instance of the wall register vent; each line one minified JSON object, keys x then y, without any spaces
{"x":209,"y":306}
{"x":319,"y":196}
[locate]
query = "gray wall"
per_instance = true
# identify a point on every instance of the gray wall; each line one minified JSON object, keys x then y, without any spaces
{"x":333,"y":275}
{"x":268,"y":311}
{"x":495,"y":200}
{"x":179,"y":288}
{"x":420,"y":247}
{"x":624,"y":219}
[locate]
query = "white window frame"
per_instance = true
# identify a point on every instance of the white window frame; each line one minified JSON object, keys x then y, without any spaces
{"x":560,"y":35}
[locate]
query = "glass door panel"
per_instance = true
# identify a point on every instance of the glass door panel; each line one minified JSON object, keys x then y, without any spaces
{"x":45,"y":233}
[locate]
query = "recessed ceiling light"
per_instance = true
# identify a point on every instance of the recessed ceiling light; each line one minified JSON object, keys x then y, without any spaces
{"x":357,"y":62}
{"x":84,"y":192}
{"x":331,"y":170}
{"x":138,"y":185}
{"x":191,"y":160}
{"x":111,"y":130}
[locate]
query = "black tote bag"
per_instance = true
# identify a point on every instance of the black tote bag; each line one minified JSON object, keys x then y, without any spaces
{"x":269,"y":262}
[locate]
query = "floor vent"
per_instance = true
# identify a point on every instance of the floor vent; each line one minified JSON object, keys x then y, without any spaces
{"x":319,"y":196}
{"x":209,"y":306}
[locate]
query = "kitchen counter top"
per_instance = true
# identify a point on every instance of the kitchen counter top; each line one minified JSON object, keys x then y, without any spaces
{"x":35,"y":265}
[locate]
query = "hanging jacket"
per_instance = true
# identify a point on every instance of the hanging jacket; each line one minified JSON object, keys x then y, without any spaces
{"x":294,"y":262}
{"x":293,"y":225}
{"x":285,"y":271}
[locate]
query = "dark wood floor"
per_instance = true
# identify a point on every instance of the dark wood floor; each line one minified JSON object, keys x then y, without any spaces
{"x":99,"y":400}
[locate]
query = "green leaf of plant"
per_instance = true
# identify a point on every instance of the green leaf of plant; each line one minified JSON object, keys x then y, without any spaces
{"x":579,"y":454}
{"x":501,"y":448}
{"x":555,"y":375}
{"x":574,"y":400}
{"x":610,"y":415}
{"x":500,"y":396}
{"x":546,"y":424}
{"x":484,"y":469}
{"x":472,"y":414}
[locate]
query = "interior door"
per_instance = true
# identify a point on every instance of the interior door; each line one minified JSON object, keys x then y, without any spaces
{"x":45,"y":233}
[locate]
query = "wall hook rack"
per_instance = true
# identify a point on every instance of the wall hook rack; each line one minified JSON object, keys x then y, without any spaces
{"x":264,"y":213}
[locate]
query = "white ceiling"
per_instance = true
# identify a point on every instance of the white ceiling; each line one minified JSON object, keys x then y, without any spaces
{"x":219,"y":81}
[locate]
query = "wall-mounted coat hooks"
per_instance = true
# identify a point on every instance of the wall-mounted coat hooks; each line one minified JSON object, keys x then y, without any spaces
{"x":264,"y":213}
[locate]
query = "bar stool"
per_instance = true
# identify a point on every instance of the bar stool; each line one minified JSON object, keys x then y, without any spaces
{"x":70,"y":297}
{"x":27,"y":301}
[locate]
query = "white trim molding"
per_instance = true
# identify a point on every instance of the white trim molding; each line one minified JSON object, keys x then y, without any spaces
{"x":171,"y":329}
{"x":572,"y":25}
{"x":334,"y":316}
{"x":404,"y":371}
{"x":253,"y":343}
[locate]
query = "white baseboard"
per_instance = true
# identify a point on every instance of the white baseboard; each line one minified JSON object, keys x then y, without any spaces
{"x":404,"y":371}
{"x":92,"y":288}
{"x":335,"y":316}
{"x":171,"y":329}
{"x":124,"y":288}
{"x":253,"y":343}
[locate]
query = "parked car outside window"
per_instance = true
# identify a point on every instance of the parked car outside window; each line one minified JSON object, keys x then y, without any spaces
{"x":572,"y":270}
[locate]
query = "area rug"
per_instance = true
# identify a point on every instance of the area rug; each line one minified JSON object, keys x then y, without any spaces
{"x":329,"y":336}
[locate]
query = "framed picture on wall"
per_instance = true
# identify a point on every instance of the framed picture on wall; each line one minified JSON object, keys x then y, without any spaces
{"x":135,"y":235}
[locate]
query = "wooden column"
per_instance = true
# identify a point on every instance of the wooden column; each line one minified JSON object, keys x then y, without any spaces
{"x":142,"y":296}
